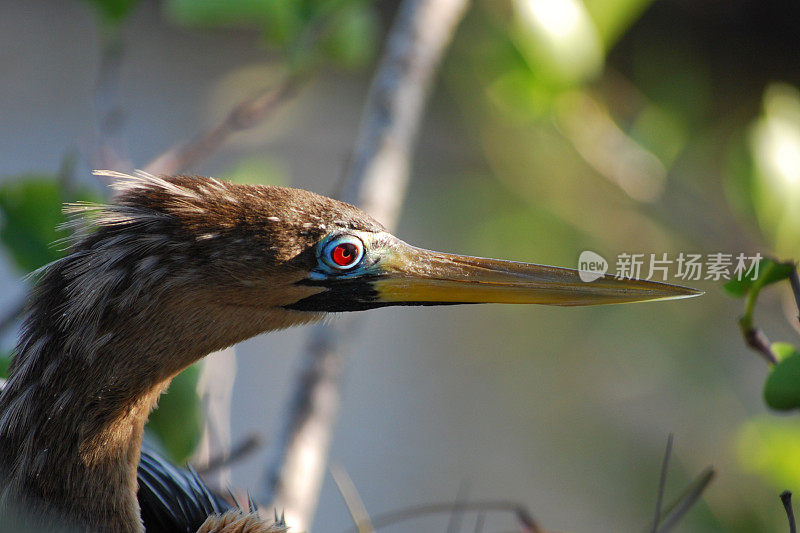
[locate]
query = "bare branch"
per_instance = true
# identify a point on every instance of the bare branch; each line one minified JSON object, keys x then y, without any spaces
{"x":794,"y":279}
{"x":244,"y":115}
{"x":376,"y":181}
{"x":355,"y":504}
{"x":758,"y":341}
{"x":258,"y":107}
{"x":662,"y":482}
{"x":296,"y":469}
{"x":215,"y":389}
{"x":479,"y":522}
{"x":378,"y":172}
{"x":238,"y":452}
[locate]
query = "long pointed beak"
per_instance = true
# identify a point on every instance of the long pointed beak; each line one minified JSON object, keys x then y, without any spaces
{"x":415,"y":276}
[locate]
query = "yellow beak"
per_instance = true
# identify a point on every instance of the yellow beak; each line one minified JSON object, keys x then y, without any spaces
{"x":411,"y":275}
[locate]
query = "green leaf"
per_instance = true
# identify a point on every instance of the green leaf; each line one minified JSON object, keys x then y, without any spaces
{"x":282,"y":19}
{"x":767,"y":445}
{"x":521,"y":95}
{"x":782,"y":388}
{"x":284,"y":23}
{"x":774,"y":141}
{"x":783,"y":349}
{"x":178,"y":420}
{"x":352,"y":39}
{"x":5,"y":361}
{"x":769,"y":271}
{"x":561,"y":44}
{"x":261,"y":169}
{"x":30,"y":212}
{"x":614,"y":17}
{"x":113,"y":11}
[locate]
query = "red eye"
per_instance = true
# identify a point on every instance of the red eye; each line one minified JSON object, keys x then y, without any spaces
{"x":344,"y":254}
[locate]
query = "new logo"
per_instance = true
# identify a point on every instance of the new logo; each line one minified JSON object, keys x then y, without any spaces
{"x":591,"y":266}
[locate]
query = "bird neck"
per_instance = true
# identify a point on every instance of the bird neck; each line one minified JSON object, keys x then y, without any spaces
{"x":73,"y":411}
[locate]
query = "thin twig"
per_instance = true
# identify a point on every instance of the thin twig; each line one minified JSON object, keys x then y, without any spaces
{"x":794,"y":280}
{"x":244,"y":115}
{"x":786,"y":498}
{"x":479,"y":521}
{"x":753,"y":336}
{"x":416,"y":511}
{"x":758,"y":341}
{"x":376,"y":182}
{"x":662,"y":482}
{"x":454,"y":525}
{"x":526,"y":522}
{"x":254,"y":109}
{"x":354,"y":503}
{"x":238,"y":452}
{"x":678,"y":509}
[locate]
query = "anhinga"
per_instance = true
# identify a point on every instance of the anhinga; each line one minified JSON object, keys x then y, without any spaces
{"x":178,"y":267}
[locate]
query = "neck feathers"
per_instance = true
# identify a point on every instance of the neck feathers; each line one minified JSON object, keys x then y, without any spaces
{"x":93,"y":358}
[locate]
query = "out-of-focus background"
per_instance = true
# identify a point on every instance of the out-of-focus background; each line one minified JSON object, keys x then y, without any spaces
{"x":556,"y":126}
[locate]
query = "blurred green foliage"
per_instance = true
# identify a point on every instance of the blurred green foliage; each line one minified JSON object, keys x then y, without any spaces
{"x":343,"y":32}
{"x":30,"y":206}
{"x":774,"y":144}
{"x":261,"y":169}
{"x":783,"y":350}
{"x":5,"y":361}
{"x":113,"y":12}
{"x":782,"y":388}
{"x":545,"y":48}
{"x":612,"y":18}
{"x":178,"y":421}
{"x":767,"y":446}
{"x":352,"y":40}
{"x":593,"y":120}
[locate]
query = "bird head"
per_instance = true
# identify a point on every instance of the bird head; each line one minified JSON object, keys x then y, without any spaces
{"x":293,"y":250}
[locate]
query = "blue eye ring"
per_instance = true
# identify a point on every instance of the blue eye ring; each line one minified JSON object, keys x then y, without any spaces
{"x":343,"y":252}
